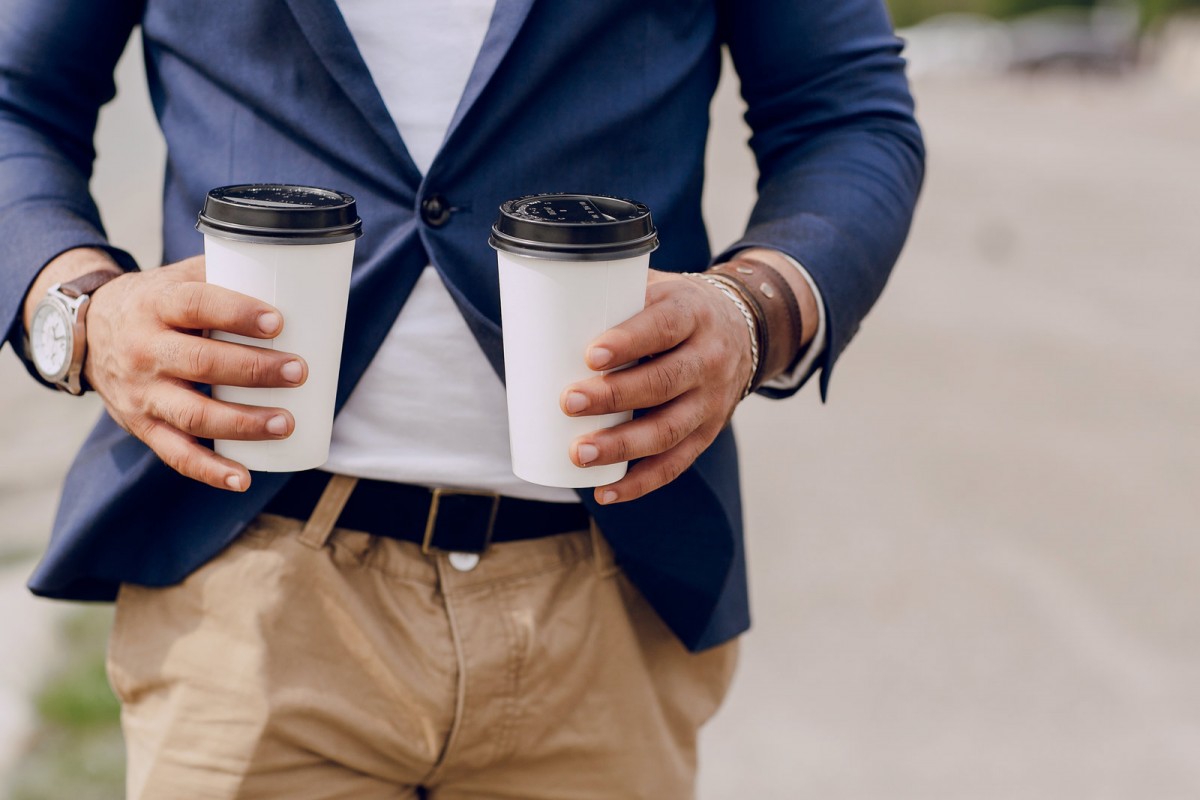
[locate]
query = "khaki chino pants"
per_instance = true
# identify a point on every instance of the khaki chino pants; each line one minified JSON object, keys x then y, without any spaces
{"x":310,"y":662}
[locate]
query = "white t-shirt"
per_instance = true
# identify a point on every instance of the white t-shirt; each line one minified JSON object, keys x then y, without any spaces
{"x":429,"y":410}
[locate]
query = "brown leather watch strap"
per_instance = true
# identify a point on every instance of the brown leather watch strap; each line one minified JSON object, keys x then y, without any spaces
{"x":86,"y":284}
{"x":781,"y":324}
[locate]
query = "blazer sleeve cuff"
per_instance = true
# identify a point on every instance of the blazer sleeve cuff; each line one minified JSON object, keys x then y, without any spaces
{"x":33,"y":236}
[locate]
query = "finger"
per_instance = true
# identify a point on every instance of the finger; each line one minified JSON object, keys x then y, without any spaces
{"x":202,"y":360}
{"x":181,"y":453}
{"x":659,"y":327}
{"x":654,"y":472}
{"x":187,"y":410}
{"x":650,"y":435}
{"x":645,"y":385}
{"x":203,"y":306}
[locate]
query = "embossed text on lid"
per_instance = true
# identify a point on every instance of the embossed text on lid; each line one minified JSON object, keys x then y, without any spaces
{"x":574,"y":227}
{"x":280,"y":214}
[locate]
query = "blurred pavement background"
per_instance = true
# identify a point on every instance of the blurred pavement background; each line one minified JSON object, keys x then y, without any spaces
{"x":974,"y":570}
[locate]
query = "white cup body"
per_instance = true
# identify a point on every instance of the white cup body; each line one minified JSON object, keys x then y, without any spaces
{"x":552,"y":310}
{"x":310,"y":285}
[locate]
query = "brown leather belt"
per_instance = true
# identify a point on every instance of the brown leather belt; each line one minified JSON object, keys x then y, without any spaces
{"x":437,"y":519}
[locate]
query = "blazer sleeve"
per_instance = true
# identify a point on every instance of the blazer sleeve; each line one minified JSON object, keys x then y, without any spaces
{"x":839,"y":152}
{"x":56,"y":70}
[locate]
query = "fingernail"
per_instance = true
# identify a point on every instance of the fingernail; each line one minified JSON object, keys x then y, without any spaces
{"x":608,"y":496}
{"x":588,"y":453}
{"x":598,"y":357}
{"x":576,"y":402}
{"x":292,"y":371}
{"x":234,"y":482}
{"x":269,"y":322}
{"x":277,"y":425}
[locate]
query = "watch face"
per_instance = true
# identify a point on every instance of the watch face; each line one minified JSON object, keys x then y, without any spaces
{"x":50,"y":340}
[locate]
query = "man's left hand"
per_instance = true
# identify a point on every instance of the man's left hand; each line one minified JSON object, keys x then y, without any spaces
{"x":699,"y":361}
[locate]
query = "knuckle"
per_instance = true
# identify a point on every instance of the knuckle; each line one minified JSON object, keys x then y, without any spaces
{"x":176,"y":459}
{"x":669,"y":432}
{"x":620,"y":341}
{"x":613,"y":394}
{"x":140,"y":426}
{"x":191,"y":302}
{"x":254,"y":370}
{"x":172,"y":461}
{"x":666,"y":322}
{"x":663,"y":378}
{"x":201,"y":360}
{"x":244,"y":425}
{"x":620,"y":448}
{"x":189,"y":464}
{"x":148,"y":404}
{"x":668,"y":471}
{"x":191,"y":418}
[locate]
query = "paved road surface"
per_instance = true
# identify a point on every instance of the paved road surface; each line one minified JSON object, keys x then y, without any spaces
{"x":974,"y":570}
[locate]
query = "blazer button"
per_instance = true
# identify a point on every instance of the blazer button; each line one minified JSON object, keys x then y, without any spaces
{"x":435,"y":211}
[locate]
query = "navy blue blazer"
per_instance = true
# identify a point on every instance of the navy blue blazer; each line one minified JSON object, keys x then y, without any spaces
{"x":608,"y":97}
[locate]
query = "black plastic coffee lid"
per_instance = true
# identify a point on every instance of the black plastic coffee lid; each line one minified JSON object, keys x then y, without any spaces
{"x":574,"y":227}
{"x":274,"y":213}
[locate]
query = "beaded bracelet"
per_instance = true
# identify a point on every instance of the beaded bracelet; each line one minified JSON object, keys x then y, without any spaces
{"x":751,"y":323}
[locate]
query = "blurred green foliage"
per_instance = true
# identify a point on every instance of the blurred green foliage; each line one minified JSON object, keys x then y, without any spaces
{"x":77,"y":751}
{"x":1153,"y":10}
{"x":910,"y":12}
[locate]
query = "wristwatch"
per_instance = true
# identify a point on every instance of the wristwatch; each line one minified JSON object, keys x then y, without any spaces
{"x":57,"y":341}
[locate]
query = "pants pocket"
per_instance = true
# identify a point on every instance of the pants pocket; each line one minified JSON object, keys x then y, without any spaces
{"x":117,"y":677}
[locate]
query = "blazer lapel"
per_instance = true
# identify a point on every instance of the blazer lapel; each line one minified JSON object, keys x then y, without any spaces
{"x":329,"y":37}
{"x":507,"y":19}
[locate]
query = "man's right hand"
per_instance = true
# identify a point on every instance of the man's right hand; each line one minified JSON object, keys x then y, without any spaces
{"x":145,"y":352}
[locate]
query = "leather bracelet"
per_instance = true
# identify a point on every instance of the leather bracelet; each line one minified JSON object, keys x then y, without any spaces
{"x":780,"y":310}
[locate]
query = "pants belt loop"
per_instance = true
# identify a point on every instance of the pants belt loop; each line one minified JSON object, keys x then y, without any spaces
{"x":602,"y":554}
{"x":329,"y":508}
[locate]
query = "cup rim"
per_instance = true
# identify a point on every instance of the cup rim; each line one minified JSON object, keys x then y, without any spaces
{"x":581,"y":252}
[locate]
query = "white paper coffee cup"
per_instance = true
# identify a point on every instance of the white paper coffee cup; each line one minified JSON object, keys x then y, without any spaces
{"x":292,"y":247}
{"x":571,"y":267}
